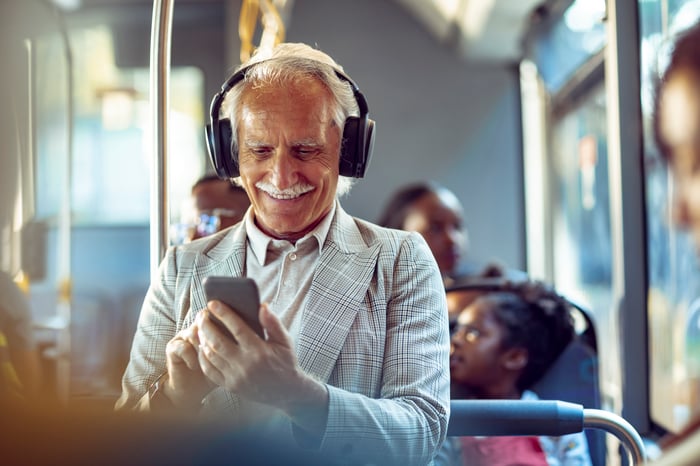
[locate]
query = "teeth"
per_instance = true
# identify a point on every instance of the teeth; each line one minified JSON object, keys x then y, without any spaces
{"x":283,"y":196}
{"x":291,"y":193}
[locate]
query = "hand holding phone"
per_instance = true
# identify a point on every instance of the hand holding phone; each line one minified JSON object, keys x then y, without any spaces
{"x":241,"y":295}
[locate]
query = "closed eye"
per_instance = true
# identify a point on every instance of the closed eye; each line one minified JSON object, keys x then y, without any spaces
{"x":260,"y":152}
{"x":306,"y":152}
{"x":257,"y":149}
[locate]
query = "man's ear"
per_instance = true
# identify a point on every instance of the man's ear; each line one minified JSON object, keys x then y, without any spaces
{"x":515,"y":359}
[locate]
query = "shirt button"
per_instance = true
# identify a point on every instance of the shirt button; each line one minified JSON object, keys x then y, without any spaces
{"x":293,"y":256}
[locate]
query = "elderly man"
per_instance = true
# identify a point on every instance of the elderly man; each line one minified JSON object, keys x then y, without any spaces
{"x":355,"y":360}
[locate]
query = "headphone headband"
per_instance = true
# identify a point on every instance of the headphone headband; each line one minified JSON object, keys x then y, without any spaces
{"x":357,"y":141}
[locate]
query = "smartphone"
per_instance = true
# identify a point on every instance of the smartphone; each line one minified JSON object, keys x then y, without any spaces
{"x":240,"y":294}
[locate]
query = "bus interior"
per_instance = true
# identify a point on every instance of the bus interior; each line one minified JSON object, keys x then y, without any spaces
{"x":535,"y":113}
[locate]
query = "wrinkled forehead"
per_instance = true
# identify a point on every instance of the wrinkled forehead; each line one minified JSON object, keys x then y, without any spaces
{"x":304,"y":93}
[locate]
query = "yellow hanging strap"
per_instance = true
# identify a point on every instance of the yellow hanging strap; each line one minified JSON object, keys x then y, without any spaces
{"x":273,"y":27}
{"x":246,"y":27}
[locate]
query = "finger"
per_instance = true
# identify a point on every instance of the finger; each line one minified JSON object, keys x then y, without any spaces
{"x":182,"y":351}
{"x":209,"y":369}
{"x":273,"y":326}
{"x":241,"y":332}
{"x":190,"y":334}
{"x":214,"y":328}
{"x":215,"y":340}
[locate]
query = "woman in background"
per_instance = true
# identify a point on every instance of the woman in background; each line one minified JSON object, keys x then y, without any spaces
{"x":437,"y":214}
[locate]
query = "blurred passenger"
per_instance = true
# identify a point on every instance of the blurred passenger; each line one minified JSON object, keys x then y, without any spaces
{"x":219,"y":204}
{"x":677,"y":133}
{"x":677,"y":128}
{"x":437,"y":214}
{"x":504,"y":342}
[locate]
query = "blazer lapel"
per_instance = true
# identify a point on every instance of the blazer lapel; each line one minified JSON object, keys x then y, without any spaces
{"x":225,"y":258}
{"x":337,"y":293}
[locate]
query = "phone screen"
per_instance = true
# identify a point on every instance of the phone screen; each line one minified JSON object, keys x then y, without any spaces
{"x":240,"y":294}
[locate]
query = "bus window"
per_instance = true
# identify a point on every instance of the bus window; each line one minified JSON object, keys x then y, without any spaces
{"x":568,"y":52}
{"x":582,"y":260}
{"x":112,"y":125}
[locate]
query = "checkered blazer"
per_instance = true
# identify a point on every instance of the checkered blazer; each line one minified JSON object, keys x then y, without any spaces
{"x":374,"y":329}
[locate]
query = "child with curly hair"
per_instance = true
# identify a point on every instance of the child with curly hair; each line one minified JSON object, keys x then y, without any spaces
{"x":503,"y":343}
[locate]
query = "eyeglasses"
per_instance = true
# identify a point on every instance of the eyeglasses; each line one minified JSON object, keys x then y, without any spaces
{"x":209,"y":222}
{"x":205,"y":224}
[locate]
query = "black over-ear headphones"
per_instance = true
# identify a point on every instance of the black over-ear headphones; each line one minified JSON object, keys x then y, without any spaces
{"x":356,"y":147}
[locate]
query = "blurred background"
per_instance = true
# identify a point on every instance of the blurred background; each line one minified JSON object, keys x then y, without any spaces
{"x":505,"y":102}
{"x":446,"y":105}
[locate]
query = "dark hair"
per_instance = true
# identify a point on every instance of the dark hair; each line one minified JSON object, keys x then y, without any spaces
{"x":536,"y":318}
{"x":685,"y":55}
{"x":209,"y":177}
{"x":396,"y":209}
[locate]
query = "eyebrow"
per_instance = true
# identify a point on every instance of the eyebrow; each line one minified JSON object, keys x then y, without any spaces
{"x":255,"y":143}
{"x":306,"y":142}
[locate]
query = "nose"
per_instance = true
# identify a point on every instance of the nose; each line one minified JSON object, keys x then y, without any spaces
{"x":455,"y":236}
{"x":284,"y":170}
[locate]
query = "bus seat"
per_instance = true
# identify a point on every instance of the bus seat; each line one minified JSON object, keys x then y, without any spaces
{"x":573,"y":377}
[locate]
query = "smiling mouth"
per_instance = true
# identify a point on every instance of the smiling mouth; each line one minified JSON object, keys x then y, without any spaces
{"x":294,"y":192}
{"x":285,"y":196}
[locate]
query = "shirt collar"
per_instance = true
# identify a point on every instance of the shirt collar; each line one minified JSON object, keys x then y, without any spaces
{"x":259,"y":241}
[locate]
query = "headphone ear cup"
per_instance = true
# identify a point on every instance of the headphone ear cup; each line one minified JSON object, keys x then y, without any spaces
{"x":221,"y":154}
{"x":350,"y":146}
{"x":228,"y":155}
{"x":369,"y":145}
{"x":211,"y":147}
{"x":358,"y":141}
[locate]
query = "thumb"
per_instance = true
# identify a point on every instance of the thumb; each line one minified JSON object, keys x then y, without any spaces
{"x":273,"y":326}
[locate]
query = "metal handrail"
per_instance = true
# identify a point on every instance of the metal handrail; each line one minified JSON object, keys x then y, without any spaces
{"x":620,"y":428}
{"x":539,"y":417}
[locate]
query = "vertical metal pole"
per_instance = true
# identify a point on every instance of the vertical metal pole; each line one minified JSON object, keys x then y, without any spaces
{"x":627,"y":210}
{"x":160,"y":92}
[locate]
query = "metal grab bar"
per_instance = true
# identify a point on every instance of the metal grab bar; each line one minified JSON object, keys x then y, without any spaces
{"x":620,"y":428}
{"x":541,"y":417}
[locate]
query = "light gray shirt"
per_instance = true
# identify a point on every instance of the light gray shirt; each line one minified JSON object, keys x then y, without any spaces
{"x":284,"y":270}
